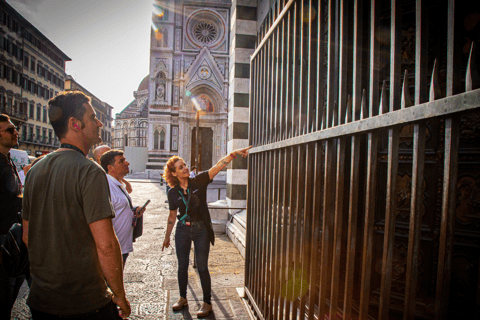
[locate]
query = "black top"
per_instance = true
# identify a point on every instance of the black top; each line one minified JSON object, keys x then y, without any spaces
{"x":196,"y":198}
{"x":10,"y":190}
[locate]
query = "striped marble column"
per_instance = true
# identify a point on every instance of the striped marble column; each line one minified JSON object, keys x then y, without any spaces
{"x":243,"y":29}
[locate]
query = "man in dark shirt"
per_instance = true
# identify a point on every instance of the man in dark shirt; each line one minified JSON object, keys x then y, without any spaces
{"x":11,"y":205}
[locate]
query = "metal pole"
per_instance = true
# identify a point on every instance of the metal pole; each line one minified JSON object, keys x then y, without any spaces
{"x":196,"y":141}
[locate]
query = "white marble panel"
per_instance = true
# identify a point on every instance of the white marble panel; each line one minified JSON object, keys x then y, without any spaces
{"x":237,"y":176}
{"x":238,"y":115}
{"x":244,"y":27}
{"x":236,"y":144}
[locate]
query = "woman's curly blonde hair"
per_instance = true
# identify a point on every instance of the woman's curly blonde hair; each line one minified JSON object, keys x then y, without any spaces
{"x":168,"y":169}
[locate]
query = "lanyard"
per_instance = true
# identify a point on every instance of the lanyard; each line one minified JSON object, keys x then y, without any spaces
{"x":187,"y":202}
{"x":69,"y":146}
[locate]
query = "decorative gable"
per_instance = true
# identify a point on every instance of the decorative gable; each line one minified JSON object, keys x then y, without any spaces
{"x":204,"y":70}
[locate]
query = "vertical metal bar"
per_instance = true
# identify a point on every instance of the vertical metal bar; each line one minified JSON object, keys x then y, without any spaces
{"x":278,"y":233}
{"x":248,"y":231}
{"x":294,"y":106}
{"x":453,"y":54}
{"x":390,"y":214}
{"x":251,"y":104}
{"x":344,"y":61}
{"x":447,"y":224}
{"x":273,"y":230}
{"x":338,"y":229}
{"x":278,"y":78}
{"x":262,"y":235}
{"x":291,"y":234}
{"x":310,"y":105}
{"x":297,"y":235}
{"x":288,"y":78}
{"x":371,"y":188}
{"x":284,"y":249}
{"x":332,"y":74}
{"x":395,"y":54}
{"x":374,"y":58}
{"x":283,"y":88}
{"x":251,"y":226}
{"x":421,"y":59}
{"x":263,"y":103}
{"x":327,"y":236}
{"x":416,"y":208}
{"x":256,"y":98}
{"x":357,"y":55}
{"x":307,"y":246}
{"x":301,"y":84}
{"x":269,"y":233}
{"x":269,"y":93}
{"x":315,"y":226}
{"x":258,"y":232}
{"x":352,"y":226}
{"x":320,"y":65}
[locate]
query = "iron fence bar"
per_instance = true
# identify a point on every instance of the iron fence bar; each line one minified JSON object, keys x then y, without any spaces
{"x":288,"y":97}
{"x":307,"y":223}
{"x":283,"y":88}
{"x":357,"y":57}
{"x":338,"y":226}
{"x":262,"y":106}
{"x":374,"y":58}
{"x":421,"y":54}
{"x":415,"y":226}
{"x":249,"y":230}
{"x":395,"y":54}
{"x":320,"y":66}
{"x":352,"y":226}
{"x":256,"y":227}
{"x":316,"y":211}
{"x":280,"y":222}
{"x":291,"y":233}
{"x":328,"y":204}
{"x":345,"y":43}
{"x":294,"y":105}
{"x":370,"y":198}
{"x":269,"y":92}
{"x":300,"y":81}
{"x":310,"y":105}
{"x":442,"y":107}
{"x":275,"y":91}
{"x":273,"y":230}
{"x":296,"y":245}
{"x":272,"y":27}
{"x":254,"y":304}
{"x":453,"y":54}
{"x":332,"y":75}
{"x":268,"y":233}
{"x":261,"y":236}
{"x":450,"y":169}
{"x":390,"y":214}
{"x":283,"y":300}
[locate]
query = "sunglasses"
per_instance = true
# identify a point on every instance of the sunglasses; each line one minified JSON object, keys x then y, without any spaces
{"x":11,"y":130}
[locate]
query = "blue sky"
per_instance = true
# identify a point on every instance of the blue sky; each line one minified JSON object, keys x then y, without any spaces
{"x":107,"y":40}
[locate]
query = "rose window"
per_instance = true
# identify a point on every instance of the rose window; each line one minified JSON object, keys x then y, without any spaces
{"x":205,"y":32}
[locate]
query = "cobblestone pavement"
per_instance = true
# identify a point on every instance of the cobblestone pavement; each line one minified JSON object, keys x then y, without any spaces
{"x":150,"y":274}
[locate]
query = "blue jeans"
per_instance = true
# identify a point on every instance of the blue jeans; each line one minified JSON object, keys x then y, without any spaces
{"x":183,"y":242}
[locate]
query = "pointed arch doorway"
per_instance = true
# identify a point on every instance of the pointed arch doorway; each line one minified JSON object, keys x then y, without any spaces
{"x":205,"y":148}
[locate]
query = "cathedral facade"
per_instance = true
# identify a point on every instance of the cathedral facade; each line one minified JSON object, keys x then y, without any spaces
{"x":188,"y":78}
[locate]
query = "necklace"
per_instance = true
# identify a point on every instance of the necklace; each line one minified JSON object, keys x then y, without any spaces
{"x":72,"y":147}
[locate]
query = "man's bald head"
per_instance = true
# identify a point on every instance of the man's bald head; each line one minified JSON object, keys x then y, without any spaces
{"x":97,"y":153}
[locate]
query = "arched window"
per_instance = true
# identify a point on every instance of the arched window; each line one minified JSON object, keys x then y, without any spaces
{"x":126,"y":140}
{"x":162,"y":140}
{"x":155,"y":140}
{"x":161,"y":89}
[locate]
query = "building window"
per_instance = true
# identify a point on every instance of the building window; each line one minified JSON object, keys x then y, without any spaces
{"x":31,"y":113}
{"x":39,"y":113}
{"x":162,"y":140}
{"x":44,"y":114}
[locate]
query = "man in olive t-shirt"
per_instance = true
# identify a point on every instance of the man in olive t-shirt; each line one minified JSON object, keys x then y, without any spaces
{"x":67,"y":217}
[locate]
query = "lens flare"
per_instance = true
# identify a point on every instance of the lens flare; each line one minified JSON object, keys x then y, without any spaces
{"x":188,"y":93}
{"x":158,"y":11}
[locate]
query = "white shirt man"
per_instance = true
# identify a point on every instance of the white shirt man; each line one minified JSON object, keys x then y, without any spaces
{"x":116,"y":166}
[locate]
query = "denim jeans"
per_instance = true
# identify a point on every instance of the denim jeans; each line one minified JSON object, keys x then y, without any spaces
{"x":183,"y":242}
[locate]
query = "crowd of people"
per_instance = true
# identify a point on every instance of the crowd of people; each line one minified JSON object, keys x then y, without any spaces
{"x":79,"y":222}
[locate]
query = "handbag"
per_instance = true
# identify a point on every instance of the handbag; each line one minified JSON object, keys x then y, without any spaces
{"x":138,"y":227}
{"x":14,"y":252}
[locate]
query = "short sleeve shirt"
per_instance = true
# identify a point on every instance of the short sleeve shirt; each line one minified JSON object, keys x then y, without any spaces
{"x":63,"y":194}
{"x":122,"y":223}
{"x":198,"y":207}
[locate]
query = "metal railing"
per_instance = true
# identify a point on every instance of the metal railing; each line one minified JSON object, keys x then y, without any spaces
{"x":357,"y":206}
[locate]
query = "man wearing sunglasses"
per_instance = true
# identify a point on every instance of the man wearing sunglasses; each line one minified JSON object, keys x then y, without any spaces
{"x":10,"y":206}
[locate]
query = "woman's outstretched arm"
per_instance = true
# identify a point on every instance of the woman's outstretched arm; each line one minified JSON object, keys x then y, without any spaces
{"x":222,"y":163}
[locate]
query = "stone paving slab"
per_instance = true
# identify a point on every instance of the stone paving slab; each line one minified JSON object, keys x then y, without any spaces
{"x":150,"y":275}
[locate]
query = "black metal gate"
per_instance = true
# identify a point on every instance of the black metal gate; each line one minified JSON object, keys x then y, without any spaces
{"x":364,"y":179}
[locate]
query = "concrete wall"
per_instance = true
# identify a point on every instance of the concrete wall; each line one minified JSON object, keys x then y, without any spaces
{"x":137,"y":157}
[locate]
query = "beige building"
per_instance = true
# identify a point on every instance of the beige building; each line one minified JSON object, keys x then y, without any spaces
{"x":32,"y":70}
{"x":103,"y":110}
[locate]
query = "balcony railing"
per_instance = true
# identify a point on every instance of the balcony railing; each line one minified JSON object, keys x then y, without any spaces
{"x":14,"y":113}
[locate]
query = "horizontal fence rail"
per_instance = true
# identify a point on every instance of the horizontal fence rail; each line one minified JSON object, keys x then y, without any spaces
{"x":364,"y":176}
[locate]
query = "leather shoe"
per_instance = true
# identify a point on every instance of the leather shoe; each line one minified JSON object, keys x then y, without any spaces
{"x":180,"y":304}
{"x":205,"y":310}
